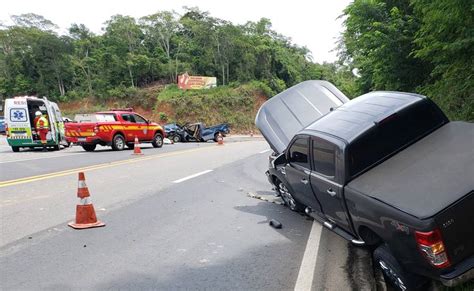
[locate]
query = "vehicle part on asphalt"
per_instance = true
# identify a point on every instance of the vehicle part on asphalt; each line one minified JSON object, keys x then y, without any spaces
{"x":85,"y":213}
{"x":271,"y":199}
{"x":275,"y":224}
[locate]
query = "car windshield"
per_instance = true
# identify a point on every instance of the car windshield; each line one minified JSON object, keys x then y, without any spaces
{"x":392,"y":134}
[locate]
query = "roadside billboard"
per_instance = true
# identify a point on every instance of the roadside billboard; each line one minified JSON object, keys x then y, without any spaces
{"x":186,"y":81}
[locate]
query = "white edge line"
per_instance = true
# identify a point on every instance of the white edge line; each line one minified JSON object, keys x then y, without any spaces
{"x":192,"y":176}
{"x":304,"y":280}
{"x":262,"y":152}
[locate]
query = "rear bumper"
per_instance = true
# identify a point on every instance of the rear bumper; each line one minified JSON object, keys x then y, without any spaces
{"x":463,"y":272}
{"x":86,"y":140}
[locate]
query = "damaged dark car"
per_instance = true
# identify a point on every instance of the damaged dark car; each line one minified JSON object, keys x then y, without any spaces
{"x":196,"y":132}
{"x":386,"y":169}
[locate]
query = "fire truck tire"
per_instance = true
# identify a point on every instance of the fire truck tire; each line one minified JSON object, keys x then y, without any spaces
{"x":15,"y":149}
{"x":89,"y":147}
{"x":118,"y":142}
{"x":157,"y":140}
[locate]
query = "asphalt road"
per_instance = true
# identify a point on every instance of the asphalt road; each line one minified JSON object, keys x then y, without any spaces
{"x":166,"y":228}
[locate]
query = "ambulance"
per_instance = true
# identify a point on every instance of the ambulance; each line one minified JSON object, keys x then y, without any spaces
{"x":20,"y":128}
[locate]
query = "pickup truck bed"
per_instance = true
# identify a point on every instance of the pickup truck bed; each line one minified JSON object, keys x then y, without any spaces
{"x":442,"y":171}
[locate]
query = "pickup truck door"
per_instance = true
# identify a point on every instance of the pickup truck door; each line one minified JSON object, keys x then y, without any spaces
{"x":129,"y":127}
{"x":326,"y":158}
{"x":298,"y":171}
{"x":143,"y":128}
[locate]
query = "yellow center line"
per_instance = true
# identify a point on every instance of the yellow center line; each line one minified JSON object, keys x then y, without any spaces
{"x":91,"y":168}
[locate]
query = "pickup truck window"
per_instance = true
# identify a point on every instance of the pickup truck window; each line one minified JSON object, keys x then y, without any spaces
{"x":392,"y":134}
{"x":324,"y":157}
{"x":299,"y":153}
{"x":128,"y":117}
{"x":105,"y":117}
{"x":139,"y":119}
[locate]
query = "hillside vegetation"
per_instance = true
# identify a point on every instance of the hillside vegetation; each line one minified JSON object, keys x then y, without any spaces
{"x":236,"y":105}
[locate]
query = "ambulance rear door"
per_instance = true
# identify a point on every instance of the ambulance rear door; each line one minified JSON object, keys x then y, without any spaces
{"x":17,"y":120}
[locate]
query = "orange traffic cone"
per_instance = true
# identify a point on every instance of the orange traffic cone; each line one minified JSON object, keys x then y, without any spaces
{"x":220,"y":139}
{"x":85,"y":213}
{"x":136,"y":149}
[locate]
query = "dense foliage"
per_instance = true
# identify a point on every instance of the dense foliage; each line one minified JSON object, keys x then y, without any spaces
{"x":420,"y":46}
{"x":133,"y":53}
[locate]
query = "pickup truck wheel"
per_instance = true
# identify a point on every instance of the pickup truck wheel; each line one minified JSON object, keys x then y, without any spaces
{"x":216,"y":136}
{"x":157,"y":140}
{"x":289,"y":199}
{"x":89,"y":147}
{"x":118,"y":143}
{"x":388,"y":272}
{"x":15,"y":149}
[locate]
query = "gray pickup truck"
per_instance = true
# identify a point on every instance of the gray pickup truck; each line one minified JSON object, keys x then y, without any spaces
{"x":387,"y":170}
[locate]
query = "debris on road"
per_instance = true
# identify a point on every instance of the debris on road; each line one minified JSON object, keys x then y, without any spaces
{"x":275,"y":224}
{"x":268,"y":198}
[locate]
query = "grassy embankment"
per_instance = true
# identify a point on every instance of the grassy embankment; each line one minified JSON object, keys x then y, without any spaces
{"x":236,"y":105}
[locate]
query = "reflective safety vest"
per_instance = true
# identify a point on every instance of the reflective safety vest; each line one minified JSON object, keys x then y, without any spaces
{"x":42,"y":123}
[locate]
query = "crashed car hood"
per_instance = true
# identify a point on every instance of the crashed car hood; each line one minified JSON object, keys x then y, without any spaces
{"x":281,"y":117}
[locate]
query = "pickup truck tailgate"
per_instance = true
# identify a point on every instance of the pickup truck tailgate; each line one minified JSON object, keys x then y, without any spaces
{"x":457,"y":229}
{"x":79,"y":129}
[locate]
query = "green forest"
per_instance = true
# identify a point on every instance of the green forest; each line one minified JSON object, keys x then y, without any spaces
{"x":404,"y":45}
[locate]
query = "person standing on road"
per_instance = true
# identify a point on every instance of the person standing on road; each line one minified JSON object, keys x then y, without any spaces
{"x":42,"y":127}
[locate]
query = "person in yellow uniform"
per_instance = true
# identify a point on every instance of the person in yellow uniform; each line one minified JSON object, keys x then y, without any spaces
{"x":42,"y":128}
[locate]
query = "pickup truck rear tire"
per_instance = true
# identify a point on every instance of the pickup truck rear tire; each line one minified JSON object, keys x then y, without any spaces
{"x":118,"y":142}
{"x":388,"y":270}
{"x":288,"y":198}
{"x":157,"y":140}
{"x":89,"y":147}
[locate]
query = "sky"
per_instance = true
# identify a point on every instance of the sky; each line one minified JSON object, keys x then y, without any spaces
{"x":311,"y":23}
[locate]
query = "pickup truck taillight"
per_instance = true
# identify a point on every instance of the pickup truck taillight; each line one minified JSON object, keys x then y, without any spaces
{"x":432,"y":247}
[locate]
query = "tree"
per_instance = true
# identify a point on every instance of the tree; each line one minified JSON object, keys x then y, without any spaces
{"x":446,"y":40}
{"x":379,"y":41}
